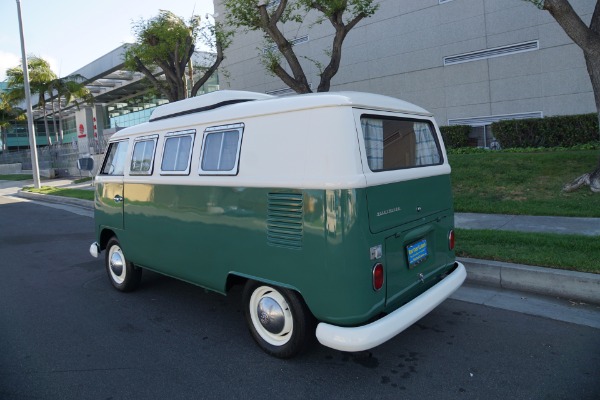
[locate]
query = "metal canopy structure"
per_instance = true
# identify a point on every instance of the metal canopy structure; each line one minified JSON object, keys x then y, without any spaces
{"x":109,"y":82}
{"x":106,"y":79}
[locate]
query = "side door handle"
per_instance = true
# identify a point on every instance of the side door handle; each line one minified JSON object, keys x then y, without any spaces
{"x":118,"y":199}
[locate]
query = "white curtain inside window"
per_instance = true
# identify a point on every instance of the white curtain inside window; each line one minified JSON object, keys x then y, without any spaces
{"x":426,"y":150}
{"x":373,"y":134}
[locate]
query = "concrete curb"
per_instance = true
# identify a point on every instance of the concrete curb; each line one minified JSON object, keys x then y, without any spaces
{"x":547,"y":281}
{"x":56,"y":199}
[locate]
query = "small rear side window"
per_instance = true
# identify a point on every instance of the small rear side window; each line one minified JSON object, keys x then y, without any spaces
{"x":221,"y":150}
{"x":396,"y":143}
{"x":177,"y":153}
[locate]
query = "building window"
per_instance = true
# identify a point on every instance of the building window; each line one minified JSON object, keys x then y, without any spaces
{"x":490,"y":119}
{"x":177,"y":153}
{"x":221,"y":150}
{"x":114,"y":163}
{"x":142,"y":159}
{"x":493,"y":52}
{"x":394,"y":143}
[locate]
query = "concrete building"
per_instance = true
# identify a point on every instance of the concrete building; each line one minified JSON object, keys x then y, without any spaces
{"x":469,"y":62}
{"x":121,"y":98}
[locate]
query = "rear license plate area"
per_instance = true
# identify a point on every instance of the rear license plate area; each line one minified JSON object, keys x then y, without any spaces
{"x":417,"y":252}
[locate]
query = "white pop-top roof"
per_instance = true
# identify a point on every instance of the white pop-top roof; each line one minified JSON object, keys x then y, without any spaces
{"x":225,"y":105}
{"x":206,"y":102}
{"x":268,"y":103}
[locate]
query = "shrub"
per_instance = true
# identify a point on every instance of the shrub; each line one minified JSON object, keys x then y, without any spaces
{"x":563,"y":131}
{"x":455,"y":136}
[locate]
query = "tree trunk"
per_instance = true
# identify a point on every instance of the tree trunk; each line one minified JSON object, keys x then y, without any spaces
{"x":43,"y":103}
{"x":209,"y":72}
{"x":588,"y":39}
{"x":591,"y":179}
{"x":60,"y":125}
{"x":4,"y":138}
{"x":54,"y":122}
{"x":341,"y":31}
{"x":297,"y":81}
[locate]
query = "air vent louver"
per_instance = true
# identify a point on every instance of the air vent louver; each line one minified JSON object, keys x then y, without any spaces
{"x":285,"y":220}
{"x":491,"y":53}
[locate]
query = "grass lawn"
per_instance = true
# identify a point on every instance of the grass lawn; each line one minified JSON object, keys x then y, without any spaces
{"x":15,"y":177}
{"x":523,"y":183}
{"x":572,"y":252}
{"x":75,"y":193}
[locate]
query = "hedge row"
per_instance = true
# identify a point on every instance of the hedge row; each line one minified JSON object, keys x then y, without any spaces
{"x":455,"y":136}
{"x":565,"y":131}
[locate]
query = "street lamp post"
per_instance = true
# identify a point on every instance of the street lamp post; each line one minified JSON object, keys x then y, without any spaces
{"x":32,"y":145}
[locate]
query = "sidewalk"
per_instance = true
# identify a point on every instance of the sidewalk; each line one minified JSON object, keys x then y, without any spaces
{"x":571,"y":285}
{"x":528,"y":223}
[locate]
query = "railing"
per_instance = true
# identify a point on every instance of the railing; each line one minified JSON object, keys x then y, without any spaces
{"x":62,"y":158}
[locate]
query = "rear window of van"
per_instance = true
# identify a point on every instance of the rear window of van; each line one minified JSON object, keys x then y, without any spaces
{"x":395,"y":143}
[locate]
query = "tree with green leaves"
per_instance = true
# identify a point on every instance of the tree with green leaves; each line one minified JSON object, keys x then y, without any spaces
{"x":268,"y":16}
{"x":587,"y":37}
{"x":8,"y":114}
{"x":40,"y":77}
{"x":70,"y":90}
{"x":164,"y":48}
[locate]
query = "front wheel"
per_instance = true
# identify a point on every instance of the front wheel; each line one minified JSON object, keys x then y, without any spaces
{"x":122,"y":274}
{"x":278,"y":319}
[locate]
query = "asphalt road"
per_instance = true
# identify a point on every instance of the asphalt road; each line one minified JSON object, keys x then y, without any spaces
{"x":66,"y":334}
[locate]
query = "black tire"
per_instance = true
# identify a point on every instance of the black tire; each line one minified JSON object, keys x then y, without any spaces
{"x":280,"y":339}
{"x":122,"y":274}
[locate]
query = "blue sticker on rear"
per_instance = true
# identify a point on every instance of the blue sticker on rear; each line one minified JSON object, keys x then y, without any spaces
{"x":417,"y":252}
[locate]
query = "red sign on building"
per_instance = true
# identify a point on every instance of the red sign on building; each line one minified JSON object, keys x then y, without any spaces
{"x":81,"y":131}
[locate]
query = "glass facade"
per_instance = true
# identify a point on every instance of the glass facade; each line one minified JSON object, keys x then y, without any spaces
{"x":125,"y":118}
{"x":137,"y":110}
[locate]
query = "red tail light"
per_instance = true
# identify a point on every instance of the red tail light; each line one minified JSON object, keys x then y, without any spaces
{"x":451,"y":240}
{"x":377,"y":276}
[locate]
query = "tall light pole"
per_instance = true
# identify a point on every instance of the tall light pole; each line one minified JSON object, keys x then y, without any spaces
{"x":32,"y":145}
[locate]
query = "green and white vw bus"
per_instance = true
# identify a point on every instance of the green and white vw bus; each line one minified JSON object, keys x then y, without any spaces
{"x":334,"y":210}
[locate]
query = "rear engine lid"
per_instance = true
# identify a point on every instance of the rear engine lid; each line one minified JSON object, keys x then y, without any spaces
{"x":400,"y":203}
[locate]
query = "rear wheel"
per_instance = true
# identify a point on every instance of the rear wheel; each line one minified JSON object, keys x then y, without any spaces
{"x":123,"y":275}
{"x":278,"y":319}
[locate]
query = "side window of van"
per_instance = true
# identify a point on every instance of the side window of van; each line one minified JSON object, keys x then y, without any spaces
{"x":142,"y":159}
{"x":177,"y":152}
{"x":221,"y":150}
{"x":114,"y":163}
{"x":395,"y":143}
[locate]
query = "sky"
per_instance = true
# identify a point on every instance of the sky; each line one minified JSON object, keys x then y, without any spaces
{"x":70,"y":34}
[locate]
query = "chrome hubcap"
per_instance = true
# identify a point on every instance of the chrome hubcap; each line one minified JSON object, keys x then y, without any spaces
{"x":270,"y":315}
{"x":116,"y":264}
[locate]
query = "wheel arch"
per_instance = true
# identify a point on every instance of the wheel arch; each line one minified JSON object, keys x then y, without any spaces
{"x":105,"y":236}
{"x":237,"y":278}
